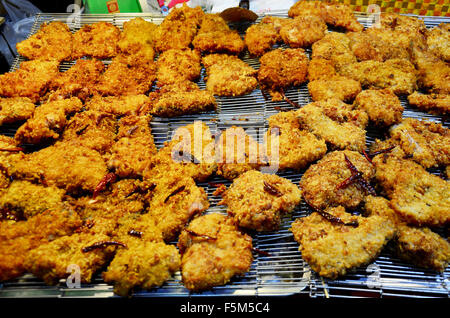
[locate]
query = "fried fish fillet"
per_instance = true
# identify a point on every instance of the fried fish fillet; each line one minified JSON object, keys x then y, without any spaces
{"x":333,"y":249}
{"x":258,"y":201}
{"x":178,"y":65}
{"x":15,"y":109}
{"x":213,"y":251}
{"x":438,"y":41}
{"x":228,"y":75}
{"x":98,"y":40}
{"x":137,"y":38}
{"x":401,"y":23}
{"x":320,"y":68}
{"x":334,"y":46}
{"x":303,"y":31}
{"x":261,"y":37}
{"x":122,"y":105}
{"x":438,"y":104}
{"x":334,"y":87}
{"x":53,"y":41}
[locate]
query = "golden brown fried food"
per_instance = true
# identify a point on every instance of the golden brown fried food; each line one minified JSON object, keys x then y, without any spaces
{"x":303,"y":31}
{"x":98,"y":40}
{"x":15,"y":109}
{"x":134,"y":148}
{"x":304,"y":7}
{"x":19,"y":238}
{"x":336,"y":87}
{"x":213,"y":251}
{"x":438,"y":41}
{"x":282,"y":68}
{"x":290,"y":147}
{"x":180,"y":98}
{"x":178,"y":65}
{"x":79,"y":81}
{"x":341,"y":126}
{"x":334,"y":46}
{"x":258,"y":201}
{"x":123,"y":105}
{"x":320,"y":68}
{"x":214,"y":36}
{"x":228,"y":75}
{"x":426,"y":142}
{"x":260,"y":38}
{"x":438,"y":104}
{"x":402,"y":23}
{"x":420,"y":198}
{"x":332,"y":248}
{"x":382,"y":106}
{"x":30,"y":80}
{"x":137,"y":38}
{"x":48,"y":121}
{"x":397,"y":74}
{"x":53,"y":41}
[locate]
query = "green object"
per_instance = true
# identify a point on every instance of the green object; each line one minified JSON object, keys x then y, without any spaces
{"x":112,"y":6}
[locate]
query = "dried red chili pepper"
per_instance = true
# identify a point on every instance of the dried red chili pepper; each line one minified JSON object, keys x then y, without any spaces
{"x":180,"y":189}
{"x":101,"y":244}
{"x":272,"y":190}
{"x":356,"y":177}
{"x":110,"y":177}
{"x":14,"y":149}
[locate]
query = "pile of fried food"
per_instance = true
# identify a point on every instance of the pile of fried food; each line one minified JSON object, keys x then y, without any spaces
{"x":95,"y":191}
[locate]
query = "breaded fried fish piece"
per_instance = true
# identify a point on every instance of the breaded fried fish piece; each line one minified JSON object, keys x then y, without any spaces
{"x":438,"y":41}
{"x":282,"y":68}
{"x":381,"y":105}
{"x":15,"y":109}
{"x":289,"y":146}
{"x":213,"y":251}
{"x":303,"y":31}
{"x":48,"y":121}
{"x":228,"y":75}
{"x":341,"y":126}
{"x":180,"y":98}
{"x":322,"y":183}
{"x":30,"y":80}
{"x":178,"y":65}
{"x":438,"y":104}
{"x":97,"y":40}
{"x":320,"y":68}
{"x":53,"y":41}
{"x":258,"y":201}
{"x":336,"y":87}
{"x":334,"y":46}
{"x":402,"y":23}
{"x":305,"y":7}
{"x":137,"y":38}
{"x":332,"y":247}
{"x":122,"y":105}
{"x":261,"y":37}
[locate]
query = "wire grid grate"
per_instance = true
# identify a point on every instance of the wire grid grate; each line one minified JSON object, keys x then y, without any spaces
{"x":278,"y":268}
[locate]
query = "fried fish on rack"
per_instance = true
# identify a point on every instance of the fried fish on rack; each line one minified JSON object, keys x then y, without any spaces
{"x":228,"y":75}
{"x":401,"y":23}
{"x":20,"y":238}
{"x":288,"y":145}
{"x":425,"y":142}
{"x":341,"y":126}
{"x":98,"y":40}
{"x":213,"y":251}
{"x":334,"y":46}
{"x":261,"y":37}
{"x":333,"y":242}
{"x":282,"y":68}
{"x":30,"y":80}
{"x":180,"y":98}
{"x":326,"y":182}
{"x":134,"y":148}
{"x":215,"y":36}
{"x":190,"y":152}
{"x":127,"y":75}
{"x":303,"y":31}
{"x":320,"y":68}
{"x":438,"y":104}
{"x":381,"y":105}
{"x":334,"y":87}
{"x":397,"y":74}
{"x":438,"y":39}
{"x":137,"y":38}
{"x":15,"y":109}
{"x":80,"y":80}
{"x":419,"y":197}
{"x":122,"y":105}
{"x":258,"y":201}
{"x":53,"y":41}
{"x":178,"y":65}
{"x":48,"y":121}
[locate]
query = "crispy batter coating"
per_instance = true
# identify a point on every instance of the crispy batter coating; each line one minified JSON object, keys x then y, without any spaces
{"x":98,"y":40}
{"x":258,"y":201}
{"x":382,"y":106}
{"x":123,"y":105}
{"x":30,"y":80}
{"x":336,"y":87}
{"x":282,"y":68}
{"x":402,"y":23}
{"x":180,"y":98}
{"x":304,"y":7}
{"x":303,"y":31}
{"x":438,"y":104}
{"x":426,"y":142}
{"x":261,"y":37}
{"x":438,"y":41}
{"x":48,"y":121}
{"x":332,"y":249}
{"x":213,"y":251}
{"x":53,"y":41}
{"x":319,"y":183}
{"x":420,"y":198}
{"x":178,"y":65}
{"x":320,"y":68}
{"x":228,"y":75}
{"x":397,"y":74}
{"x":334,"y":46}
{"x":341,"y":126}
{"x":137,"y":38}
{"x":289,"y":146}
{"x":15,"y":109}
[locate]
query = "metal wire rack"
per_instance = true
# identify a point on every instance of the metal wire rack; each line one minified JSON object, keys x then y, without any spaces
{"x":279,"y":270}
